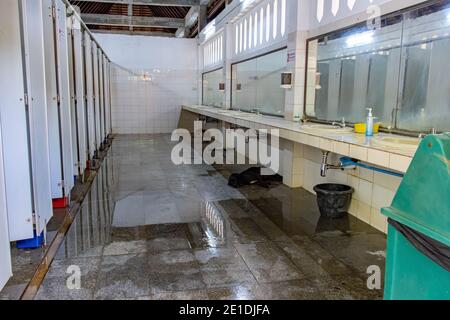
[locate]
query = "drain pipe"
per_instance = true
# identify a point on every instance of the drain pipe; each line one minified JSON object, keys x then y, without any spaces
{"x":349,"y":162}
{"x":325,"y":166}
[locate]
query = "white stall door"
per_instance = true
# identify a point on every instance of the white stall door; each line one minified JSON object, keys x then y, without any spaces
{"x":98,"y":139}
{"x":52,"y":101}
{"x":64,"y":92}
{"x":90,"y":104}
{"x":5,"y":254}
{"x":13,"y":118}
{"x":77,"y":38}
{"x":33,"y":34}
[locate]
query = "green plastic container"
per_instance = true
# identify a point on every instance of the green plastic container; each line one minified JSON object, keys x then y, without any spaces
{"x":423,"y":204}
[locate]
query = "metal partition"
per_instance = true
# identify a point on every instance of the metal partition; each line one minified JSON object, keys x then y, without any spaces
{"x":108,"y":97}
{"x":73,"y":103}
{"x":77,"y":98}
{"x":13,"y":118}
{"x":77,"y":39}
{"x":64,"y":96}
{"x":101,"y":96}
{"x":37,"y":111}
{"x":98,"y":139}
{"x":5,"y":251}
{"x":51,"y":84}
{"x":90,"y":103}
{"x":47,"y":110}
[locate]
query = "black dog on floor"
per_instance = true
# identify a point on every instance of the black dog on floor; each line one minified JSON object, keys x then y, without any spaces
{"x":253,"y":176}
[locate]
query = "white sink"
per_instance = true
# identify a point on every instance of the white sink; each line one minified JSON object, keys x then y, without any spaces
{"x":393,"y":142}
{"x":323,"y":128}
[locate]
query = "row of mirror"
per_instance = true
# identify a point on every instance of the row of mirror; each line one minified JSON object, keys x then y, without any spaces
{"x":398,"y":66}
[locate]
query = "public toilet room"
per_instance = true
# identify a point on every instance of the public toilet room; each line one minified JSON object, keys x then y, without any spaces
{"x":205,"y":150}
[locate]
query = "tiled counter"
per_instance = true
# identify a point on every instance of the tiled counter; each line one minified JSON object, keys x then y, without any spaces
{"x":301,"y":157}
{"x":354,"y":145}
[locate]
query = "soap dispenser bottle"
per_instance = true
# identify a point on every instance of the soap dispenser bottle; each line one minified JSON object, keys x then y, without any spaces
{"x":369,"y":123}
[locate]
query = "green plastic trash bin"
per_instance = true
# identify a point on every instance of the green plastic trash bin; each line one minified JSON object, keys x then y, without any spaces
{"x":422,"y":205}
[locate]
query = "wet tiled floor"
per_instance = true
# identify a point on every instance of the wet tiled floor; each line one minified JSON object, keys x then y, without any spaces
{"x":151,"y":230}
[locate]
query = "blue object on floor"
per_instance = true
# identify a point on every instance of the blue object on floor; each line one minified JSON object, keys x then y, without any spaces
{"x":33,"y":243}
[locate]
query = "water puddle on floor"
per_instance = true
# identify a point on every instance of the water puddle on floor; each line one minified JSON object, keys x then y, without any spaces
{"x":151,"y":230}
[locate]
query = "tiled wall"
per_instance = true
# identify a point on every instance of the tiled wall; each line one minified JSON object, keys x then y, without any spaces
{"x":152,"y":79}
{"x":149,"y":101}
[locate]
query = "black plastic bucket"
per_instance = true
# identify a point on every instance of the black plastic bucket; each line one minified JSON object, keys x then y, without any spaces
{"x":333,"y":199}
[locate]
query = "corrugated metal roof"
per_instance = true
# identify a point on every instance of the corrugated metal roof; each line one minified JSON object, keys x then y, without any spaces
{"x":178,"y":12}
{"x":138,"y":10}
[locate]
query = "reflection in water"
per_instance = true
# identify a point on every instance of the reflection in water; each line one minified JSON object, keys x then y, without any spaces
{"x":149,"y":228}
{"x":214,"y":218}
{"x":92,"y":225}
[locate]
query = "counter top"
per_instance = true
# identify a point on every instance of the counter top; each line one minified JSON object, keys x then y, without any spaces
{"x":385,"y":150}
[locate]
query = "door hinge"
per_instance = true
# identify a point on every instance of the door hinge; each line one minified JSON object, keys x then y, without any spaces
{"x":25,"y":99}
{"x":58,"y":98}
{"x":53,"y":12}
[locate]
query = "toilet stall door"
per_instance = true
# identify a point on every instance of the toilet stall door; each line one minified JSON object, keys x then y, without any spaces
{"x":106,"y":113}
{"x":106,"y":96}
{"x":73,"y":103}
{"x":78,"y":62}
{"x":64,"y":94}
{"x":54,"y":141}
{"x":90,"y":114}
{"x":96,"y":96}
{"x":33,"y":44}
{"x":102,"y":98}
{"x":13,"y":120}
{"x":5,"y":251}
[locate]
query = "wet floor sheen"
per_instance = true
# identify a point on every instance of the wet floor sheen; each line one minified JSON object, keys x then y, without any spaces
{"x":151,"y":230}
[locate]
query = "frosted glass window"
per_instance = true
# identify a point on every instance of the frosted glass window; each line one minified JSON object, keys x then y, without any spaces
{"x":283,"y":17}
{"x":275,"y":19}
{"x":255,"y":38}
{"x":256,"y":84}
{"x":245,"y":34}
{"x":250,"y":33}
{"x":351,"y":4}
{"x":335,"y":7}
{"x":237,"y":40}
{"x":212,"y":96}
{"x":261,"y":26}
{"x":268,"y":23}
{"x":240,"y":37}
{"x":320,"y":9}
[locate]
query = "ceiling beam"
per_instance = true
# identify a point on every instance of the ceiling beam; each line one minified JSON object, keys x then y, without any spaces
{"x":195,"y":14}
{"x":136,"y":33}
{"x":115,"y":20}
{"x":173,"y":3}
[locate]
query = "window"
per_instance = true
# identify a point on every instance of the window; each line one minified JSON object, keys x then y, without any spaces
{"x":283,"y":17}
{"x":256,"y":84}
{"x":400,"y":70}
{"x":212,"y":95}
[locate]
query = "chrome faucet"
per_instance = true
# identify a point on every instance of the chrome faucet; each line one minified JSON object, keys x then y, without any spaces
{"x":341,"y":124}
{"x":325,"y":166}
{"x":256,"y":111}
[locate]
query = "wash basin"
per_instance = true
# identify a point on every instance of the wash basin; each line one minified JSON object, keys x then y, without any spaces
{"x":393,"y":142}
{"x":323,"y":128}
